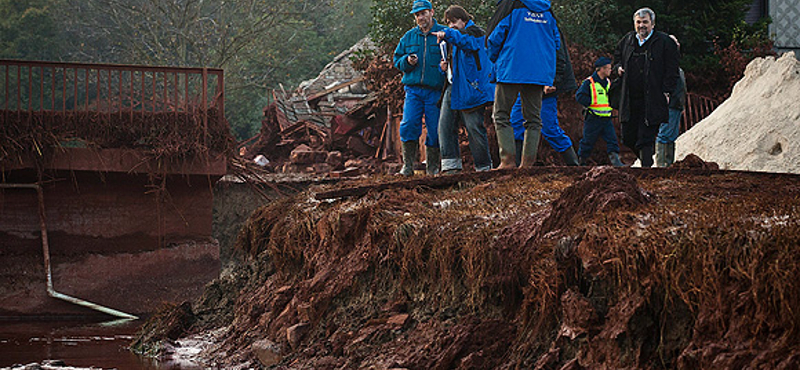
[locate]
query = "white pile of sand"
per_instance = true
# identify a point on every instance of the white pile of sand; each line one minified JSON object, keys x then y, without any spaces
{"x":758,"y":127}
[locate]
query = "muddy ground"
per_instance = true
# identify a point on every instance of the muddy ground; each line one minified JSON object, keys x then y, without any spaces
{"x":547,"y":268}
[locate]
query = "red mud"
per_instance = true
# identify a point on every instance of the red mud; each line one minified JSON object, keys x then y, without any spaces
{"x":612,"y":269}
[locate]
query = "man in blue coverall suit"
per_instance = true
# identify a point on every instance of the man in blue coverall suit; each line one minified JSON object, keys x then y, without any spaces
{"x":417,"y":56}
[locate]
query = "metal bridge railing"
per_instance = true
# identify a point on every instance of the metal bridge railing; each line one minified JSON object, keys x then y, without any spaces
{"x":123,"y":90}
{"x":697,"y":108}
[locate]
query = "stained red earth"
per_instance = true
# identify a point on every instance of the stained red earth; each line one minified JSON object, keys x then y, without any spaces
{"x":551,"y":268}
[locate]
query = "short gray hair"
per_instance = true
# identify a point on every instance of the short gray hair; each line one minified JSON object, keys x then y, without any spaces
{"x":641,"y":13}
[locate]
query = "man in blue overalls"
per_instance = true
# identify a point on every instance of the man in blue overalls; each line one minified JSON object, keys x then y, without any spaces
{"x":417,"y":56}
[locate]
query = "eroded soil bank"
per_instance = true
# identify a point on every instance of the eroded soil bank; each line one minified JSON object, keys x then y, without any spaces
{"x":548,"y":269}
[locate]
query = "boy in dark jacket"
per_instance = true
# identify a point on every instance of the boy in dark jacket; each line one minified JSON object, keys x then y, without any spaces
{"x":468,"y":90}
{"x":593,"y":95}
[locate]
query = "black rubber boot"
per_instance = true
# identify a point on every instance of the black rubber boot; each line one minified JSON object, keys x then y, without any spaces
{"x":433,"y":160}
{"x":569,"y":157}
{"x":410,"y":155}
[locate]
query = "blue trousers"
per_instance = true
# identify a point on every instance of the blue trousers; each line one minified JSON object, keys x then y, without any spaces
{"x":448,"y":137}
{"x":551,"y":131}
{"x":668,"y":131}
{"x":594,"y":127}
{"x":420,"y":102}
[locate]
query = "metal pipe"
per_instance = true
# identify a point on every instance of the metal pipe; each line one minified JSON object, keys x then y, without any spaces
{"x":46,"y":251}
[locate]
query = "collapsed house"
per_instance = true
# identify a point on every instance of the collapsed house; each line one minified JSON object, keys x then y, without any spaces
{"x":332,"y":124}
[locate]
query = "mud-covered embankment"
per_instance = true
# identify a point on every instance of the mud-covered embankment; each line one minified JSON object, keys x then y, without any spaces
{"x":636,"y":269}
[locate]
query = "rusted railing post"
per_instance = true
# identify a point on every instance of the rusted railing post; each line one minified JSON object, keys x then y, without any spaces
{"x":203,"y":105}
{"x":221,"y":92}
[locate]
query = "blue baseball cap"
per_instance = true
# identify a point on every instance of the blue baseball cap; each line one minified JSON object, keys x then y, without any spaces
{"x":601,"y":62}
{"x":421,"y":5}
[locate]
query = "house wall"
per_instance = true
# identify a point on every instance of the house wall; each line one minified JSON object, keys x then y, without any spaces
{"x":785,"y":25}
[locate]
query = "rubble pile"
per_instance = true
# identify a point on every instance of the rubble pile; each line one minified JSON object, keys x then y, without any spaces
{"x":758,"y":127}
{"x":331,"y":125}
{"x":557,"y":269}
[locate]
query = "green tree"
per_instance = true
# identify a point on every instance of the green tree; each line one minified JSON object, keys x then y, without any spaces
{"x":259,"y":43}
{"x":28,"y":30}
{"x":587,"y":22}
{"x":391,"y":18}
{"x":698,"y":24}
{"x":599,"y":24}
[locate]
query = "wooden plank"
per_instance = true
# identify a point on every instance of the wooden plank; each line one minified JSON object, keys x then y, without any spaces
{"x":334,"y":88}
{"x":381,"y":144}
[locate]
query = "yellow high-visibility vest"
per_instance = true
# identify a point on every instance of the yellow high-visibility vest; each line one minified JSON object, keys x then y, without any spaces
{"x":599,"y":106}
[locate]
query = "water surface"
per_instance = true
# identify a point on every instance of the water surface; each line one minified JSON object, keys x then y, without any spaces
{"x":77,"y":343}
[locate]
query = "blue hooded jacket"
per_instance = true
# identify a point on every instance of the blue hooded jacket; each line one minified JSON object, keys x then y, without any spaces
{"x":523,"y":44}
{"x":426,"y":73}
{"x":471,"y":68}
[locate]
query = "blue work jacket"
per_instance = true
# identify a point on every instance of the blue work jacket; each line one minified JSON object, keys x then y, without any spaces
{"x":471,"y":68}
{"x":523,"y":45}
{"x":426,"y":73}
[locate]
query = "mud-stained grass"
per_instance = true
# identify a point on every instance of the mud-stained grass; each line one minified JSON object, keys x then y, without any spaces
{"x":423,"y":237}
{"x":551,"y":271}
{"x":710,"y":270}
{"x":168,"y":136}
{"x":169,"y":323}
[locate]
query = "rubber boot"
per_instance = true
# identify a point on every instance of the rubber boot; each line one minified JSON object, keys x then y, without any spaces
{"x":529,"y":147}
{"x":670,"y":153}
{"x":615,"y":161}
{"x":518,"y":152}
{"x":661,"y":154}
{"x":410,"y":154}
{"x":433,"y":160}
{"x":646,"y":156}
{"x":505,"y":140}
{"x":569,"y":157}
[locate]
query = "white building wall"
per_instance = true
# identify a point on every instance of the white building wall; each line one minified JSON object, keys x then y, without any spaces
{"x":785,"y":25}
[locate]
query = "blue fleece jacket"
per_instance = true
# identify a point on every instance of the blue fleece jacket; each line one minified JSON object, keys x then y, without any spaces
{"x":426,"y":73}
{"x":471,"y":68}
{"x":524,"y":43}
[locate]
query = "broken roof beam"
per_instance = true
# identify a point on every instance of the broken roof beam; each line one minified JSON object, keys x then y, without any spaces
{"x":335,"y":88}
{"x":300,"y":125}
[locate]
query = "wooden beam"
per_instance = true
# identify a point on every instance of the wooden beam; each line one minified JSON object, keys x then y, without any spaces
{"x":334,"y":88}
